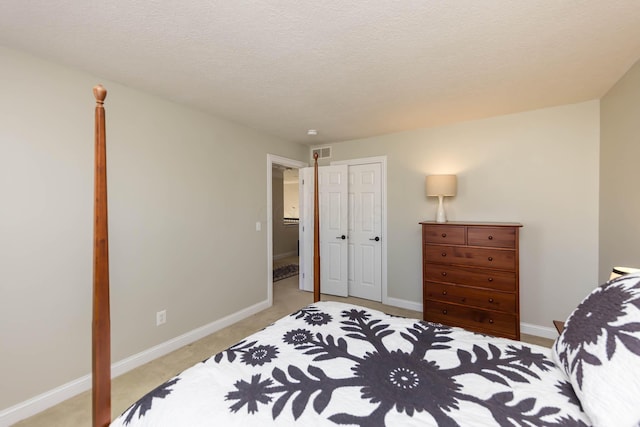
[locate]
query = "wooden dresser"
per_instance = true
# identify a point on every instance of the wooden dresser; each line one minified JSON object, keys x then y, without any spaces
{"x":470,"y":276}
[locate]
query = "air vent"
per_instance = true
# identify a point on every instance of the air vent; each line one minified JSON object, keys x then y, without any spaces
{"x":323,"y":152}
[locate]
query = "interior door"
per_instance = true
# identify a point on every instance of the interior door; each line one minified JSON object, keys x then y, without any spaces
{"x":332,"y":189}
{"x":365,"y":226}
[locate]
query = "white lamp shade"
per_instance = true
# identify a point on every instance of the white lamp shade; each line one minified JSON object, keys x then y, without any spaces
{"x":621,"y":271}
{"x":441,"y":185}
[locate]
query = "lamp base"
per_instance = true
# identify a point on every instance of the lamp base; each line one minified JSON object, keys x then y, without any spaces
{"x":441,"y":216}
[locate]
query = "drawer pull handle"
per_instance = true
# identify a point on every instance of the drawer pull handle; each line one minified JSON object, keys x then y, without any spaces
{"x":444,"y":235}
{"x":444,"y":292}
{"x":491,"y":321}
{"x":490,"y":258}
{"x":444,"y":254}
{"x":444,"y":274}
{"x":491,"y":300}
{"x":490,"y":279}
{"x":490,"y":237}
{"x":444,"y":311}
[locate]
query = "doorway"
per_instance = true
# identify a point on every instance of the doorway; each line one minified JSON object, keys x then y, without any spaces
{"x":279,"y":164}
{"x":286,"y":219}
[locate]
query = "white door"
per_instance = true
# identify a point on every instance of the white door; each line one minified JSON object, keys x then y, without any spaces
{"x":332,"y":194}
{"x":365,"y":226}
{"x":332,"y":189}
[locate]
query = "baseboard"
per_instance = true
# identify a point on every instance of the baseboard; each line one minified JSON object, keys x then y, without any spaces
{"x":401,"y":303}
{"x":44,"y":401}
{"x":166,"y":347}
{"x":59,"y":394}
{"x":285,"y":255}
{"x":539,"y":331}
{"x":525,"y":328}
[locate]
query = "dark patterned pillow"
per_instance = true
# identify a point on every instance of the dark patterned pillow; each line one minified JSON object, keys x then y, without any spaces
{"x":599,"y":350}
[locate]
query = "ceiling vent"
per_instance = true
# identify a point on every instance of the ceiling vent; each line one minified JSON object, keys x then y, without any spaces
{"x":323,"y":152}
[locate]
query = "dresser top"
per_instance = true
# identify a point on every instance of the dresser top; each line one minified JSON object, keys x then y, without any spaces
{"x":478,"y":223}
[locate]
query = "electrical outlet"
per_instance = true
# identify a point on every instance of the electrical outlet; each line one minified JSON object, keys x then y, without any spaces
{"x":161,"y":317}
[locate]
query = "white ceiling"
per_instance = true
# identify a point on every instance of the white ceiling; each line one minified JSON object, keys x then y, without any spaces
{"x":349,"y":69}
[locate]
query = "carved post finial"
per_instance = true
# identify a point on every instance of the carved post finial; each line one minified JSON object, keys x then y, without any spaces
{"x":100,"y":93}
{"x":315,"y":156}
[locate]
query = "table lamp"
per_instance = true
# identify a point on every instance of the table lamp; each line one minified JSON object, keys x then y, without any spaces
{"x":621,"y":271}
{"x":441,"y":186}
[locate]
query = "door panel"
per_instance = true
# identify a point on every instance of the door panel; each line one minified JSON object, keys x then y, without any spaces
{"x":306,"y":229}
{"x":332,"y":188}
{"x":365,"y":225}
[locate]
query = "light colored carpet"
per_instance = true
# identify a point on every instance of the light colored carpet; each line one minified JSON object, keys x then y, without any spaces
{"x":129,"y":387}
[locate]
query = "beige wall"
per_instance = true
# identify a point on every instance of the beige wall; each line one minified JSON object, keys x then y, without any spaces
{"x":539,"y":168}
{"x":291,"y":203}
{"x":181,"y":236}
{"x":620,"y":174}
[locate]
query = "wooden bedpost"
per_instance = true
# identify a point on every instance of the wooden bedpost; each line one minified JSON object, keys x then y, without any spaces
{"x":316,"y":232}
{"x":101,"y":328}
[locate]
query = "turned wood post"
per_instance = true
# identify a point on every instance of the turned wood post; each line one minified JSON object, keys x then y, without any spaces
{"x":101,"y":328}
{"x":316,"y":232}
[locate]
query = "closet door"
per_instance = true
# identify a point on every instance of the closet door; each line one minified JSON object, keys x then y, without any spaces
{"x":365,"y":231}
{"x":332,"y":189}
{"x":351,"y":237}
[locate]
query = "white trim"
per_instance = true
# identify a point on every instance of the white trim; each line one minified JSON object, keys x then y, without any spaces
{"x":385,"y":236}
{"x":286,"y":254}
{"x":539,"y":331}
{"x":59,"y":394}
{"x":401,"y":303}
{"x":44,"y":401}
{"x":361,"y":161}
{"x":525,"y":328}
{"x":306,"y":230}
{"x":271,"y":160}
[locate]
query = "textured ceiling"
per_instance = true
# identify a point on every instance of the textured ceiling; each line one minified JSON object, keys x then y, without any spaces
{"x":349,"y":69}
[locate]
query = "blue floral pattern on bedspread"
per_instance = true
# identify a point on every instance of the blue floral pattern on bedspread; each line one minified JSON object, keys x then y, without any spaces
{"x":336,"y":364}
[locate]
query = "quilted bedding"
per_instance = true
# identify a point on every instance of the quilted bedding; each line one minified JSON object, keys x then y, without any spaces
{"x":336,"y":364}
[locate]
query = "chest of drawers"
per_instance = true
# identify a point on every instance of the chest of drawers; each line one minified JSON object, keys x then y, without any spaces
{"x":471,"y":276}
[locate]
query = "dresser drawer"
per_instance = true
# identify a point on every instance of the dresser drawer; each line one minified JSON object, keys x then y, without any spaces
{"x":473,"y":297}
{"x":476,"y":257}
{"x":499,"y":280}
{"x":443,"y":234}
{"x":484,"y":321}
{"x":497,"y":237}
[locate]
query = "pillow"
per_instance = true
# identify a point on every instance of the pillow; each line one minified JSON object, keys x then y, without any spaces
{"x":599,"y":350}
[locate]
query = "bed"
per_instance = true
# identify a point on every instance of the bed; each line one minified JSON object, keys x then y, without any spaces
{"x":332,"y":363}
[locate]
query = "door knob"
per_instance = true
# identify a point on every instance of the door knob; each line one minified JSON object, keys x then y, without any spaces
{"x":377,"y":239}
{"x":341,"y":237}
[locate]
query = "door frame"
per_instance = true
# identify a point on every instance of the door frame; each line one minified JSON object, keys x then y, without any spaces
{"x":273,"y":159}
{"x":383,"y":180}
